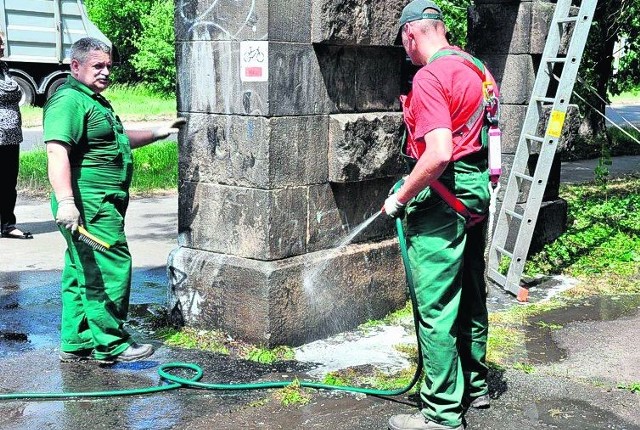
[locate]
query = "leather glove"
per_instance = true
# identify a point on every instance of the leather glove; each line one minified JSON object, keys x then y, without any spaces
{"x":392,"y":207}
{"x":68,"y":215}
{"x":164,"y":131}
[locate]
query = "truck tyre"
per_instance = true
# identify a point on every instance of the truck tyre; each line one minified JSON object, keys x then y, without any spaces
{"x":54,"y":85}
{"x":28,"y":92}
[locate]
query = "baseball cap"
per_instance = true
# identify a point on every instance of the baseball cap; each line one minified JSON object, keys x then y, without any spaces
{"x":415,"y":11}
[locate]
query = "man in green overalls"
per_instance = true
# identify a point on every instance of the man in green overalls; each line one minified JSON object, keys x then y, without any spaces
{"x":444,"y":118}
{"x":90,"y":166}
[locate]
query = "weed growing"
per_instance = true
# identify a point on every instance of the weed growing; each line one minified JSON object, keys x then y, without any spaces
{"x":293,"y":395}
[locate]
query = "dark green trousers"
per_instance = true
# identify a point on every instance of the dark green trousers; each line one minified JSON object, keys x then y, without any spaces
{"x":96,"y":284}
{"x":448,"y":265}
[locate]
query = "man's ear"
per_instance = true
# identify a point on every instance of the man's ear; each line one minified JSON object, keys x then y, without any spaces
{"x":75,"y":65}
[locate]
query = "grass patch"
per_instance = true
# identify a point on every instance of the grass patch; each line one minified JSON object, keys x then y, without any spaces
{"x":603,"y":235}
{"x":293,"y":395}
{"x":633,"y":387}
{"x":127,"y":101}
{"x":601,"y":248}
{"x":207,"y":340}
{"x":369,"y":377}
{"x":632,"y":96}
{"x":31,"y":116}
{"x":399,"y":317}
{"x":268,"y":356}
{"x":155,"y":169}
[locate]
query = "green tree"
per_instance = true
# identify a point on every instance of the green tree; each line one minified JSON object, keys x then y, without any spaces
{"x":614,"y":20}
{"x":155,"y":59}
{"x":120,"y":21}
{"x":455,"y":17}
{"x":626,"y":24}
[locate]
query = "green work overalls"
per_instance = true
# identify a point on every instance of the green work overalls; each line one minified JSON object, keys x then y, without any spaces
{"x":96,"y":284}
{"x":448,"y":264}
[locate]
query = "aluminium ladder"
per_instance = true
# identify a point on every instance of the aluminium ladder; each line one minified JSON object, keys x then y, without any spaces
{"x":520,"y":217}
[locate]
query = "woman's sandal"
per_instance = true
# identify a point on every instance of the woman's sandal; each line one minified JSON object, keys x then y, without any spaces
{"x":9,"y":234}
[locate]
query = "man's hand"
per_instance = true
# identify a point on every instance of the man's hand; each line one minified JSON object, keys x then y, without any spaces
{"x":164,"y":131}
{"x":392,"y":206}
{"x":68,"y":215}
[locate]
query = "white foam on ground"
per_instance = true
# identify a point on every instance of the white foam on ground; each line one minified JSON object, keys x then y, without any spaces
{"x":375,"y":347}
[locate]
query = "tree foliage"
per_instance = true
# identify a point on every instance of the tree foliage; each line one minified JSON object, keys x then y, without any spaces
{"x":626,"y":25}
{"x":120,"y":21}
{"x":455,"y":17}
{"x":155,"y":59}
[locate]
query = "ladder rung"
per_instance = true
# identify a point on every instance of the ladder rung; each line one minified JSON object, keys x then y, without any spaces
{"x":535,"y":138}
{"x":567,"y":19}
{"x":523,"y":176}
{"x":544,"y":99}
{"x":513,"y":214}
{"x":504,"y":252}
{"x":554,"y":60}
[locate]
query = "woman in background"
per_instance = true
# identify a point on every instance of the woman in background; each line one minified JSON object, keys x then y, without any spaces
{"x":10,"y":138}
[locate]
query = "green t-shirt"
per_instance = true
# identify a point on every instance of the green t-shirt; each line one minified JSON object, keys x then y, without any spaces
{"x":84,"y":120}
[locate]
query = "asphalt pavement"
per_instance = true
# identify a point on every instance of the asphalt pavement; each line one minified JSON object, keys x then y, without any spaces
{"x":577,"y":391}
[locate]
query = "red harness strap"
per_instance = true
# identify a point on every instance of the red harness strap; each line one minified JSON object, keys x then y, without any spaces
{"x":456,"y":204}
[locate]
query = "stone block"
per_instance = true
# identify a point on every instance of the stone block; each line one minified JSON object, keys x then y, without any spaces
{"x":364,"y":146}
{"x":290,"y":301}
{"x":254,"y":151}
{"x":513,"y":20}
{"x":340,"y":213}
{"x":211,"y":81}
{"x":356,"y":22}
{"x":339,"y":65}
{"x":515,"y":76}
{"x":379,"y":79}
{"x":361,"y":79}
{"x":541,"y":17}
{"x":247,"y":222}
{"x":511,"y":120}
{"x":303,"y":79}
{"x":280,"y":223}
{"x":274,"y":20}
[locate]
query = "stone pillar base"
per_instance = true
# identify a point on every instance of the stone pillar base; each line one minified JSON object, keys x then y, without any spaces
{"x":290,"y":301}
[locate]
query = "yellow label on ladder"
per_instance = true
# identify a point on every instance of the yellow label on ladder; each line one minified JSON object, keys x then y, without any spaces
{"x":556,"y":121}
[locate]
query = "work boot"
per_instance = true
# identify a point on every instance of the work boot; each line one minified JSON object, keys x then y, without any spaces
{"x":481,"y":402}
{"x":75,"y":356}
{"x":417,"y":421}
{"x":132,"y":353}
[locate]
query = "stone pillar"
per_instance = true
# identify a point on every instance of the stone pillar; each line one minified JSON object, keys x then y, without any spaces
{"x":509,"y":35}
{"x":291,"y":143}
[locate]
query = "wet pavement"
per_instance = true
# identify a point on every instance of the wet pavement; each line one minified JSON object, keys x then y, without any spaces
{"x":581,"y":356}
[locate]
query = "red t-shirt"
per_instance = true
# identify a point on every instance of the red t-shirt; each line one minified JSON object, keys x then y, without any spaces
{"x":446,"y":93}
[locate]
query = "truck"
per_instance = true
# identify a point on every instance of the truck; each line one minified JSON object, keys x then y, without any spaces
{"x":38,"y":36}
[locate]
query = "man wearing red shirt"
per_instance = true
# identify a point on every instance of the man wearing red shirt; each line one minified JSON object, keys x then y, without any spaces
{"x":444,"y":117}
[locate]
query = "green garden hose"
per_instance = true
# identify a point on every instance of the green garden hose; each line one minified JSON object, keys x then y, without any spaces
{"x":174,"y":382}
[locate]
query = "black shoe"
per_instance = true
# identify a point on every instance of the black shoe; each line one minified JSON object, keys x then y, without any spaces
{"x":481,"y":402}
{"x":135,"y":352}
{"x":75,"y":356}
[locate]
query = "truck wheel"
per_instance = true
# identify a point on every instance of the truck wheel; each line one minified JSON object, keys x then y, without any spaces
{"x":53,"y":86}
{"x":28,"y":92}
